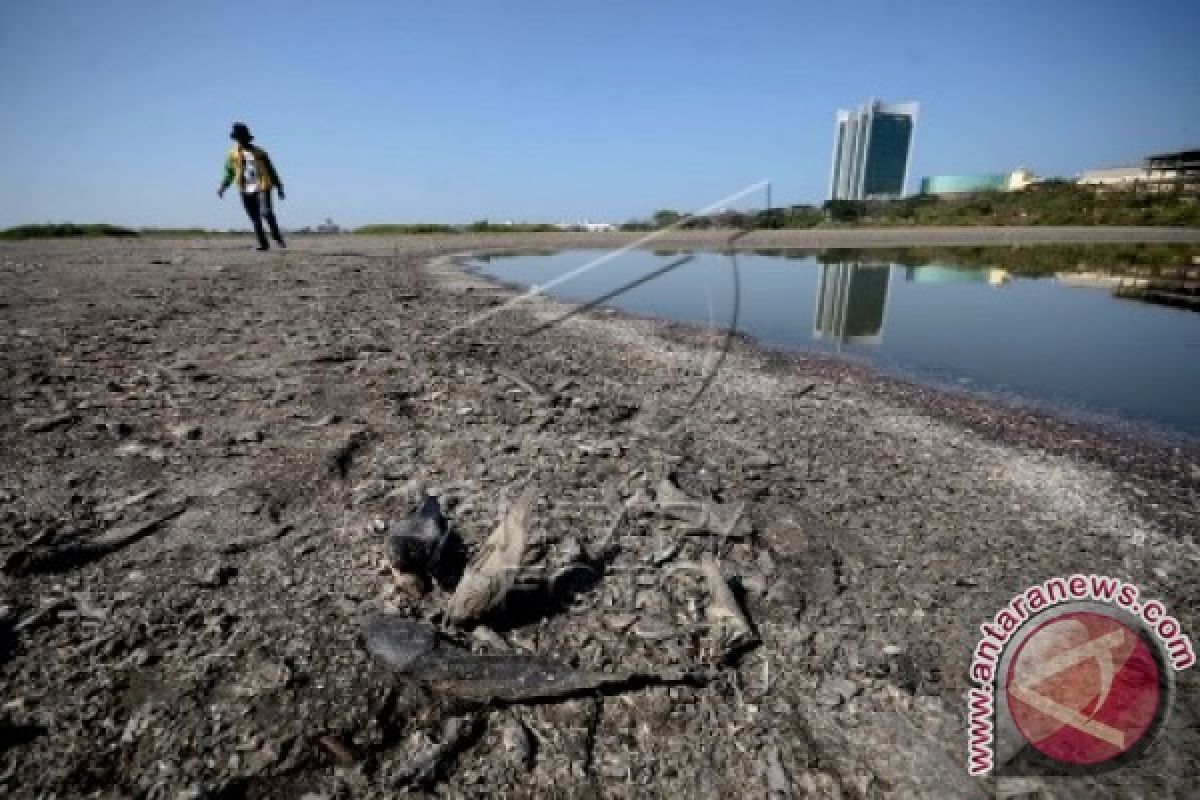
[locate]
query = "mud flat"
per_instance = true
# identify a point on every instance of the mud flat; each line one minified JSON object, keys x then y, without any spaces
{"x":201,"y":448}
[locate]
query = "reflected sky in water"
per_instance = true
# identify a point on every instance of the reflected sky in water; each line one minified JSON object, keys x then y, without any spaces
{"x":1064,"y":341}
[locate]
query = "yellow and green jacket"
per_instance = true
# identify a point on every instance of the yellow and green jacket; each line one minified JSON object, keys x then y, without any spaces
{"x":268,"y":179}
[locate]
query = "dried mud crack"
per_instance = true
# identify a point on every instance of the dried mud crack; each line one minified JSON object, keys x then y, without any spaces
{"x":203,"y":449}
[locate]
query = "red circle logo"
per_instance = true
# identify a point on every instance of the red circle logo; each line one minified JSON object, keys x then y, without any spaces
{"x":1084,"y":688}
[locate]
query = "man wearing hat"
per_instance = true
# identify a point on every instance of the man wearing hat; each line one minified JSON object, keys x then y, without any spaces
{"x":251,"y":169}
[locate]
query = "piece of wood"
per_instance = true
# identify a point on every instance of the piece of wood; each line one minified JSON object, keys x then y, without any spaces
{"x":413,"y":647}
{"x":56,"y":558}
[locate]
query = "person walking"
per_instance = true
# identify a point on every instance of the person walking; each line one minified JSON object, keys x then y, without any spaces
{"x":251,"y":169}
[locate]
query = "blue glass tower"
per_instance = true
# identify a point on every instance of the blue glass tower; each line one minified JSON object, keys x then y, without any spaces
{"x":871,"y":149}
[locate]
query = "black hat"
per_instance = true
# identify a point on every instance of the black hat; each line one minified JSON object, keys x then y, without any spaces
{"x":240,"y":132}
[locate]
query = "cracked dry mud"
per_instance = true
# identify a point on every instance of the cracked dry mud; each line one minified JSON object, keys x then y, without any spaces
{"x":200,"y":460}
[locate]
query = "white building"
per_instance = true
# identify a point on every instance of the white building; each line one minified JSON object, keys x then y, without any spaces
{"x":1114,"y":177}
{"x":1019,"y":178}
{"x":590,"y":227}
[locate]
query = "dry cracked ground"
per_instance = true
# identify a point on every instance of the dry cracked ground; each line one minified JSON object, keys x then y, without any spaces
{"x":200,"y":446}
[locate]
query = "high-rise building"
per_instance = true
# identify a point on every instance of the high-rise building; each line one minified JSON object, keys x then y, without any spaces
{"x":871,"y":148}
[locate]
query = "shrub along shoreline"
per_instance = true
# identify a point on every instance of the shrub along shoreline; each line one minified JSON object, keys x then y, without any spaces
{"x":1050,"y":203}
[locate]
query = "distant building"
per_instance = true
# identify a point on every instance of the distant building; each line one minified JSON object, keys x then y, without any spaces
{"x":987,"y":182}
{"x":1169,"y":172}
{"x":590,"y":227}
{"x":1165,"y":172}
{"x":959,"y":184}
{"x":1019,"y":178}
{"x":1113,"y":177}
{"x":871,"y":149}
{"x":328,"y":226}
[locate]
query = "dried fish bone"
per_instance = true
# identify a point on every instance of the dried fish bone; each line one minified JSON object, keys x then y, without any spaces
{"x":730,"y":626}
{"x":698,"y":516}
{"x":491,"y":573}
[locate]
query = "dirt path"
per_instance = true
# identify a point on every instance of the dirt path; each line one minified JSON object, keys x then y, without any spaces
{"x":241,"y":425}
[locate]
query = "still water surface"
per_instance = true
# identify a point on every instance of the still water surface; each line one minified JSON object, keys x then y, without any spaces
{"x":1048,"y":340}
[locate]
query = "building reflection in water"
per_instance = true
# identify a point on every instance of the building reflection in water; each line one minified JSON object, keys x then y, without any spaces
{"x":851,"y":303}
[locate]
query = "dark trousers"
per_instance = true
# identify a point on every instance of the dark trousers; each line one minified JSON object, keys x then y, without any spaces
{"x":258,"y":207}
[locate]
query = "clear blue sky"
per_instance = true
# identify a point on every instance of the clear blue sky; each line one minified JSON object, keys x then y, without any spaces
{"x":119,"y":111}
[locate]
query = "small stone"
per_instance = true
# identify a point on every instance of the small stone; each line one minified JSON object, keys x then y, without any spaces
{"x":518,"y":743}
{"x":395,"y":468}
{"x":216,"y":576}
{"x":778,"y":785}
{"x":130,"y":449}
{"x":490,"y":640}
{"x":44,"y":424}
{"x":758,"y":461}
{"x":118,"y":429}
{"x":835,"y":691}
{"x":186,"y":431}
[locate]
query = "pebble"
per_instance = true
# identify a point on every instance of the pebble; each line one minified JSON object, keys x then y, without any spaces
{"x":517,"y":742}
{"x":835,"y":691}
{"x":755,"y":461}
{"x":119,"y":429}
{"x":217,"y":576}
{"x":187,"y":431}
{"x":44,"y":424}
